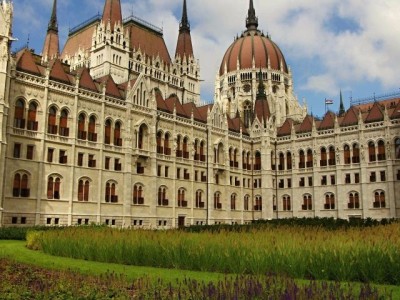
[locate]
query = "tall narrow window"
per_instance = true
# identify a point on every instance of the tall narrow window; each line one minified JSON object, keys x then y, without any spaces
{"x":53,"y":187}
{"x":185,"y":148}
{"x":117,"y":135}
{"x":92,"y":135}
{"x":52,"y":121}
{"x":307,"y":202}
{"x":329,"y":201}
{"x":217,"y":203}
{"x":32,"y":124}
{"x":167,"y":148}
{"x":381,"y":151}
{"x":246,"y":202}
{"x":302,"y":160}
{"x":288,"y":161}
{"x":323,"y":162}
{"x":19,"y":120}
{"x":64,"y":130}
{"x":332,"y":160}
{"x":356,"y":154}
{"x":17,"y":150}
{"x":371,"y":152}
{"x":160,"y":149}
{"x":199,"y":199}
{"x":82,"y":135}
{"x":233,"y":202}
{"x":17,"y":185}
{"x":247,"y":109}
{"x":142,"y":135}
{"x":286,"y":203}
{"x":397,"y":148}
{"x":50,"y":153}
{"x":107,"y":133}
{"x":29,"y":152}
{"x":346,"y":154}
{"x":309,"y":158}
{"x":138,"y":198}
{"x":354,"y":202}
{"x":258,"y":204}
{"x":110,"y":193}
{"x":281,"y":161}
{"x":257,"y":165}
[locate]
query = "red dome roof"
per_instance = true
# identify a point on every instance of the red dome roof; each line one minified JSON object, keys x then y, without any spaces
{"x":253,"y":43}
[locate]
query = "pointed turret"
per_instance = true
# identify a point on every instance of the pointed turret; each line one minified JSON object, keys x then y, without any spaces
{"x":112,"y":13}
{"x":261,"y":88}
{"x":184,"y":46}
{"x":261,"y":107}
{"x":51,"y":48}
{"x":252,"y":20}
{"x":342,"y":111}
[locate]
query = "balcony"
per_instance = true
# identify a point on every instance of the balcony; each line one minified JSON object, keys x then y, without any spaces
{"x":186,"y":155}
{"x":381,"y":157}
{"x":355,"y":159}
{"x":179,"y":153}
{"x":323,"y":163}
{"x":167,"y":151}
{"x":306,"y":207}
{"x":302,"y":165}
{"x":202,"y":158}
{"x":353,"y":205}
{"x":19,"y":123}
{"x":118,"y":142}
{"x":82,"y":135}
{"x":160,"y":150}
{"x":92,"y":164}
{"x":52,"y":129}
{"x":332,"y":162}
{"x":32,"y":125}
{"x":379,"y":204}
{"x":309,"y":164}
{"x":92,"y":137}
{"x":182,"y":203}
{"x":64,"y":131}
{"x":140,"y":170}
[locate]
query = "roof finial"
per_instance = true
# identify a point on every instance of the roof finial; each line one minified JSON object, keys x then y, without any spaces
{"x":261,"y":88}
{"x":185,"y":25}
{"x":252,"y":20}
{"x":53,"y":24}
{"x":341,"y":109}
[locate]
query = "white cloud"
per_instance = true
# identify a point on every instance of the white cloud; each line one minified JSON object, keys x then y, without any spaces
{"x":332,"y":57}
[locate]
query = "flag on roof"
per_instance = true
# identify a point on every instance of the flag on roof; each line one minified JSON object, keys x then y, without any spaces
{"x":328,"y":101}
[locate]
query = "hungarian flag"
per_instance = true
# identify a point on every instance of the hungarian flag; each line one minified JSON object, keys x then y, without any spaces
{"x":328,"y":101}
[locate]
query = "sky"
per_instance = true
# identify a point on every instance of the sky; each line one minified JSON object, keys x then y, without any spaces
{"x":330,"y":45}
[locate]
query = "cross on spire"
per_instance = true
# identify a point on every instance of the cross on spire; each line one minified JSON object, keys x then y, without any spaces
{"x":53,"y":24}
{"x":252,"y":20}
{"x":185,"y":25}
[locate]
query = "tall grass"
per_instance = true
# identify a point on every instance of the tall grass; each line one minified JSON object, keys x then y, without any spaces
{"x":356,"y":254}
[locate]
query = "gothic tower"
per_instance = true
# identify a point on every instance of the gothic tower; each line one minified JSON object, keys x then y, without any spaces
{"x":51,"y":46}
{"x":6,"y":14}
{"x":185,"y":61}
{"x":110,"y":45}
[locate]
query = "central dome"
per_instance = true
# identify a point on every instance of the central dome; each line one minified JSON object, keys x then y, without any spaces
{"x":253,"y":44}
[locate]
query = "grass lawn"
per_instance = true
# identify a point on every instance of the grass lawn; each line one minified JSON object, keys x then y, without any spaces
{"x":17,"y":251}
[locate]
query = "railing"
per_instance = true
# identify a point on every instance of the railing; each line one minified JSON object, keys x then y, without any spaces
{"x":143,"y":22}
{"x":85,"y":23}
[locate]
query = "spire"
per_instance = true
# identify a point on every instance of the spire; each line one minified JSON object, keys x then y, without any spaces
{"x":252,"y":20}
{"x":184,"y":25}
{"x":184,"y":47}
{"x":341,"y":109}
{"x":53,"y":24}
{"x":51,"y":47}
{"x":261,"y":88}
{"x":112,"y":13}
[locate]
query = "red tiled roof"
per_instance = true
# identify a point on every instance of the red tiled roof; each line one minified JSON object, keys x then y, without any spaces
{"x":350,"y":118}
{"x":161,"y":103}
{"x":236,"y":124}
{"x":375,"y":114}
{"x":262,"y":110}
{"x":86,"y":81}
{"x":328,"y":122}
{"x":395,"y":114}
{"x":79,"y":40}
{"x":191,"y":107}
{"x":57,"y":72}
{"x":111,"y":88}
{"x":26,"y":62}
{"x":149,"y":41}
{"x":173,"y":102}
{"x":203,"y":110}
{"x":184,"y":45}
{"x":306,"y":125}
{"x":112,"y":13}
{"x":51,"y":47}
{"x":286,"y":128}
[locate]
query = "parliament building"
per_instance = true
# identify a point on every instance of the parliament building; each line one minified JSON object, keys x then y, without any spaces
{"x":110,"y":129}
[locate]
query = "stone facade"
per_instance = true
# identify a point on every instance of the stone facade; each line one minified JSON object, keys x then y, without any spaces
{"x":114,"y":134}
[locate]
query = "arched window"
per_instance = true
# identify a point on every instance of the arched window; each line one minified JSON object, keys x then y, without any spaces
{"x":307,"y":202}
{"x":83,"y":190}
{"x":371,"y":152}
{"x":286,"y":203}
{"x":273,"y":161}
{"x":202,"y":152}
{"x":107,"y":133}
{"x":219,"y":154}
{"x":381,"y":150}
{"x":181,"y":198}
{"x":167,"y":148}
{"x":310,"y":158}
{"x":258,"y":204}
{"x":142,"y":137}
{"x":32,"y":124}
{"x":81,"y":127}
{"x":397,"y":148}
{"x":117,"y":134}
{"x":323,"y":162}
{"x":302,"y":160}
{"x":246,"y":202}
{"x":110,"y":193}
{"x":20,"y":186}
{"x":64,"y":130}
{"x":329,"y":201}
{"x":233,"y":202}
{"x":235,"y":161}
{"x":231,"y":157}
{"x":247,"y":110}
{"x":185,"y":148}
{"x":288,"y":161}
{"x":332,"y":160}
{"x":179,"y":152}
{"x":346,"y":155}
{"x":379,"y":200}
{"x":52,"y":121}
{"x":19,"y":114}
{"x":217,"y":201}
{"x":162,"y":198}
{"x":160,"y":149}
{"x":138,"y":198}
{"x":53,"y":187}
{"x":199,"y":199}
{"x":356,"y":154}
{"x":257,"y":165}
{"x":92,"y":135}
{"x":281,"y":166}
{"x":354,"y":201}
